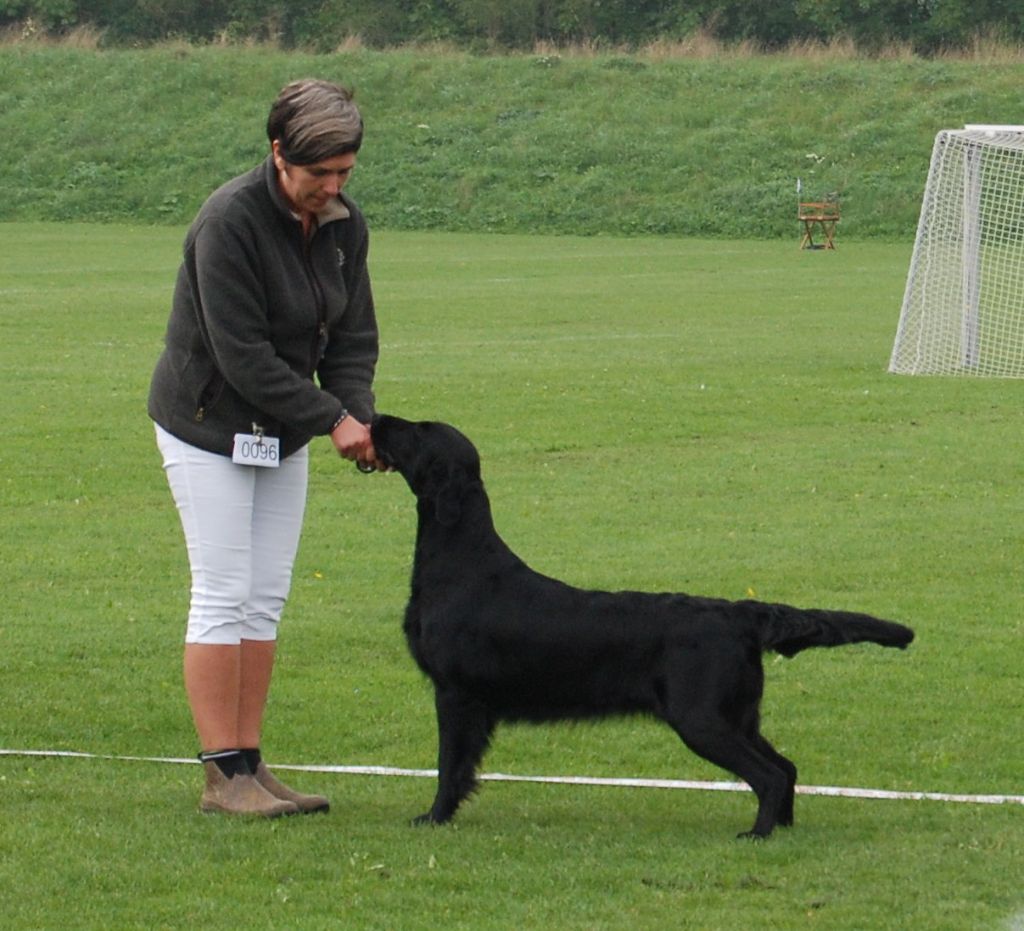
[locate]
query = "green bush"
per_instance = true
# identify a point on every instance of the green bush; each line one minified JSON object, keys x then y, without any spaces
{"x":323,"y":24}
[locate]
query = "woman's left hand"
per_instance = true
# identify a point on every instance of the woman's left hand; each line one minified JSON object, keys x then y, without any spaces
{"x":352,"y":440}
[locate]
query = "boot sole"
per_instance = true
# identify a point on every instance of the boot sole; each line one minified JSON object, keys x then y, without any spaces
{"x":218,"y":810}
{"x":318,"y":810}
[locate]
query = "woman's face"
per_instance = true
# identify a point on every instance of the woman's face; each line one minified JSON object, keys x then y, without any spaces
{"x":310,"y":187}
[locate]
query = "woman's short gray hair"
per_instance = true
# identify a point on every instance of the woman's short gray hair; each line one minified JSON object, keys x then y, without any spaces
{"x":313,"y":120}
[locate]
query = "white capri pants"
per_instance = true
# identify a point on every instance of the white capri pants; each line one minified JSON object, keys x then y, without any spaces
{"x":242,"y":526}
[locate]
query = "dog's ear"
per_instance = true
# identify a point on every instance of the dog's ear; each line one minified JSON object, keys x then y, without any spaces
{"x":446,"y":487}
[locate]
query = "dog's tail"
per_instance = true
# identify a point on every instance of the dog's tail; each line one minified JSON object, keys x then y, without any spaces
{"x":789,"y":630}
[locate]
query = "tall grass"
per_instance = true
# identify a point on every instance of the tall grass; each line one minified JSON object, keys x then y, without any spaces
{"x":660,"y":414}
{"x":699,"y":44}
{"x":610,"y":143}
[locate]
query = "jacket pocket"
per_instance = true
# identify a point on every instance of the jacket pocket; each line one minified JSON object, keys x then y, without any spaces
{"x":209,"y":395}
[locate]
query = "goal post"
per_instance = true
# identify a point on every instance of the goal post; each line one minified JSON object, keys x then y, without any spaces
{"x":963,"y":307}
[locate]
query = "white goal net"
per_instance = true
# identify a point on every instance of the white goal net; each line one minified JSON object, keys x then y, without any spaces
{"x":963,"y":308}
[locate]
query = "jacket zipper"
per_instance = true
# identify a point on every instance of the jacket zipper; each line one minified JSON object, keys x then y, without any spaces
{"x":320,"y":339}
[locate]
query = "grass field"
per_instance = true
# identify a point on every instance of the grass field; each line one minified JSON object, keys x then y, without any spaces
{"x":653,"y":413}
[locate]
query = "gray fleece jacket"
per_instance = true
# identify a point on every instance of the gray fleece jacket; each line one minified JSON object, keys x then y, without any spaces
{"x":266,"y":328}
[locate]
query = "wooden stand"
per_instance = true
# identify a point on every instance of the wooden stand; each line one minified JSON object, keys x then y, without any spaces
{"x":819,"y":218}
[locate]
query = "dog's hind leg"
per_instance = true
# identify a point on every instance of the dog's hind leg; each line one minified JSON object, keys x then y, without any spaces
{"x":733,"y":751}
{"x":785,"y":813}
{"x":464,"y":729}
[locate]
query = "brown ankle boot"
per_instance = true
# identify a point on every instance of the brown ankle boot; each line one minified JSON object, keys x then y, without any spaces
{"x":241,"y":795}
{"x":305,"y":803}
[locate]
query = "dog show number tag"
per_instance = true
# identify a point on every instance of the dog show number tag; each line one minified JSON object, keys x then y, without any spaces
{"x":254,"y":449}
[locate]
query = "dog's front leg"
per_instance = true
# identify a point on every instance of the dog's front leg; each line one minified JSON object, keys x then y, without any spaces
{"x":464,"y":729}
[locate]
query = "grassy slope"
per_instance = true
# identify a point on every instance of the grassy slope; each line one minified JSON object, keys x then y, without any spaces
{"x":585,"y":145}
{"x":655,"y":413}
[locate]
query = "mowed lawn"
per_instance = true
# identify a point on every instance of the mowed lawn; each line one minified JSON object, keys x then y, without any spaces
{"x":660,"y":414}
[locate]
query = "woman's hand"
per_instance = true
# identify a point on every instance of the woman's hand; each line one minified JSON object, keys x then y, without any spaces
{"x":352,"y":440}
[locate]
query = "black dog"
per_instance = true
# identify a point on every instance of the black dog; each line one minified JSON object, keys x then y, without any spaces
{"x":503,"y":643}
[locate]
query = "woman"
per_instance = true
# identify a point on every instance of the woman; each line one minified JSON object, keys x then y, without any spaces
{"x":272,"y":340}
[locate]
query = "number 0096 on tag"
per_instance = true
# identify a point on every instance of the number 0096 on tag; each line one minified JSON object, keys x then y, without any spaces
{"x":256,"y":450}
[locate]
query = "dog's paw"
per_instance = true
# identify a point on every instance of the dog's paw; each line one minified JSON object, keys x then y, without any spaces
{"x":432,"y":817}
{"x":752,"y":835}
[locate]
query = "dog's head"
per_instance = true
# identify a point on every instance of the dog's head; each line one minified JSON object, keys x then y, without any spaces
{"x":438,"y":462}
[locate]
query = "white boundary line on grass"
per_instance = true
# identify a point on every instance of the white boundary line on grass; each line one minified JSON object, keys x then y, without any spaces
{"x":834,"y":791}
